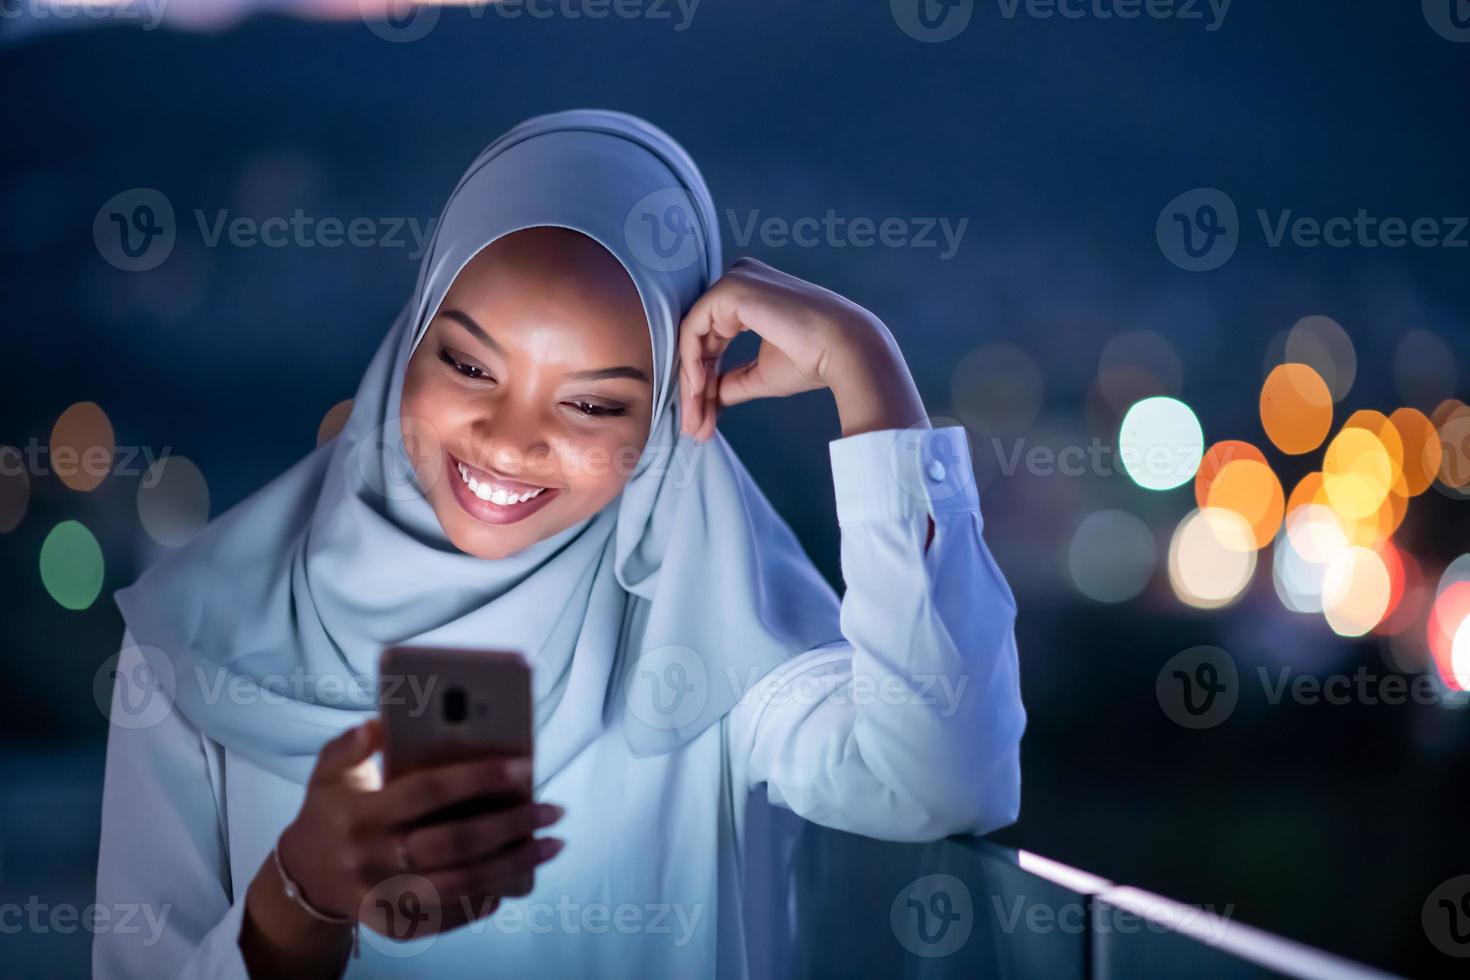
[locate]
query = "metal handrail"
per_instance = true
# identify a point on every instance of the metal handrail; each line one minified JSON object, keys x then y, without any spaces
{"x":969,"y":907}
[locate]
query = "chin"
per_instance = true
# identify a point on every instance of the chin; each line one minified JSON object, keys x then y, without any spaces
{"x":488,"y":543}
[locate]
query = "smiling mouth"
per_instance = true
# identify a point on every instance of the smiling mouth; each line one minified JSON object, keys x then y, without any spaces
{"x":494,"y":499}
{"x":497,"y":491}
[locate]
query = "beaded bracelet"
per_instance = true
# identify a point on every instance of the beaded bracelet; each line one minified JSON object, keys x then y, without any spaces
{"x":293,"y":892}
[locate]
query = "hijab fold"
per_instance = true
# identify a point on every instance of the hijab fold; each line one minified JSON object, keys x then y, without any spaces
{"x":654,"y":614}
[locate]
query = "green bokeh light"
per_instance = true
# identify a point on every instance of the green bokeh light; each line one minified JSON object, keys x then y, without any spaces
{"x":71,"y":565}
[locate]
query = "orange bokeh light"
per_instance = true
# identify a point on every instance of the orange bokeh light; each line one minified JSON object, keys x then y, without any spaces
{"x":1250,"y":488}
{"x":1296,"y":408}
{"x":1422,"y":451}
{"x":82,"y":446}
{"x":1215,"y":459}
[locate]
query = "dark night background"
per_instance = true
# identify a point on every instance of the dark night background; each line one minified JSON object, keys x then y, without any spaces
{"x":1060,"y":141}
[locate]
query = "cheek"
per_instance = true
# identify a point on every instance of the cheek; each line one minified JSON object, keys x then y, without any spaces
{"x":598,"y":467}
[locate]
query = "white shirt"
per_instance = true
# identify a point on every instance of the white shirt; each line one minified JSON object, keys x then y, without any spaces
{"x":908,"y":730}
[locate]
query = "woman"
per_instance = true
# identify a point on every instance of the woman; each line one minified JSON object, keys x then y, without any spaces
{"x":521,"y":470}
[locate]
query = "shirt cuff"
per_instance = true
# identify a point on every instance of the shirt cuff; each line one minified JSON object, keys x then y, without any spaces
{"x":903,"y":473}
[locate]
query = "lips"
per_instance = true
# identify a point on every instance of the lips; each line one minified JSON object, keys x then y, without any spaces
{"x":494,"y":499}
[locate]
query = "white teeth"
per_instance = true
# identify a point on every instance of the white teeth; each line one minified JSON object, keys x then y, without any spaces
{"x":494,"y":494}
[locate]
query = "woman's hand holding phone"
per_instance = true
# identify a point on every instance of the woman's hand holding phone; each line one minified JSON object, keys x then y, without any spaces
{"x":353,"y":840}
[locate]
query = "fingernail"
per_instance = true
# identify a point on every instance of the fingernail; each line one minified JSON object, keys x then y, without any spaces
{"x":549,"y":847}
{"x":518,"y":769}
{"x":549,"y":813}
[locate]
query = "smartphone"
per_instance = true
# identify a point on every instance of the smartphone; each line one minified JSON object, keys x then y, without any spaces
{"x":443,"y":705}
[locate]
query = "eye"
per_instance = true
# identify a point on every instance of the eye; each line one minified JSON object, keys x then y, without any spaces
{"x":594,"y":410}
{"x":472,"y":371}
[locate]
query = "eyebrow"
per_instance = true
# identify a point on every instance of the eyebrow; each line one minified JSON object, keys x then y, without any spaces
{"x":597,"y":374}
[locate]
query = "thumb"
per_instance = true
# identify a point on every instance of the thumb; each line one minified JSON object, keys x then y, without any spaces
{"x":348,"y":749}
{"x":743,"y":384}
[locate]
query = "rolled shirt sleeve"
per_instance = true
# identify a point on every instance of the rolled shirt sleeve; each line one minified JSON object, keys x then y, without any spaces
{"x":910,"y":728}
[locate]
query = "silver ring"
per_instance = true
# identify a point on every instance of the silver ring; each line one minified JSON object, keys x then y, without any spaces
{"x":400,"y":851}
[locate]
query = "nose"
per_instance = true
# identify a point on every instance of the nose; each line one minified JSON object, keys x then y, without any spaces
{"x":511,"y":439}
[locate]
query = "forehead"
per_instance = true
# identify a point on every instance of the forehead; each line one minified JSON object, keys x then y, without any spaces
{"x":558,"y":279}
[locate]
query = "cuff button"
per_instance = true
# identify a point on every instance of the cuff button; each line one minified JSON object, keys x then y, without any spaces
{"x":936,"y":471}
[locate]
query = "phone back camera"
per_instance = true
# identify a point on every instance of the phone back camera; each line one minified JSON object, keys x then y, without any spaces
{"x":456,"y":705}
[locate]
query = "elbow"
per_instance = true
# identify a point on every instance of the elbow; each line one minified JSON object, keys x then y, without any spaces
{"x":976,"y":803}
{"x":1001,"y":805}
{"x":982,"y":781}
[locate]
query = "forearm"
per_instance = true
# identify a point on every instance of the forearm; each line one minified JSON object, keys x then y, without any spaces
{"x":873,"y":388}
{"x":280,"y":938}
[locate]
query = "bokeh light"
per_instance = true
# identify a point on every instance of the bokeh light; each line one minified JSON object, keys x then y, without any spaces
{"x":1357,"y":473}
{"x":173,"y":500}
{"x":1161,"y":443}
{"x":1452,"y":424}
{"x":1410,"y":591}
{"x":997,"y":388}
{"x":1421,"y":449}
{"x":1296,"y":408}
{"x":1460,"y":657}
{"x":1211,"y":558}
{"x":1215,"y":458}
{"x":333,"y":421}
{"x":1356,"y":592}
{"x":82,"y":444}
{"x":1250,"y":488}
{"x":15,"y":489}
{"x":1322,"y":343}
{"x":1456,"y":571}
{"x":1447,"y":619}
{"x":71,"y":565}
{"x":1424,"y":368}
{"x":1112,"y":556}
{"x":1312,"y":541}
{"x":1137,"y":364}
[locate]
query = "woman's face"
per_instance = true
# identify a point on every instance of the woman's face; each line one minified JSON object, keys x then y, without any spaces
{"x":527,"y":403}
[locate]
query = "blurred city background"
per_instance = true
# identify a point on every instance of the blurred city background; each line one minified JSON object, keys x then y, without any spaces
{"x":1195,"y":281}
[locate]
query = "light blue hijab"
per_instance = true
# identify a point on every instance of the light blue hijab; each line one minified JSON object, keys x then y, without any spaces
{"x":655,"y":614}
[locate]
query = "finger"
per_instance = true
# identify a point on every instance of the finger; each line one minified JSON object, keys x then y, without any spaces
{"x":347,"y":750}
{"x":447,"y":845}
{"x":711,"y":395}
{"x":704,"y":333}
{"x":419,"y":794}
{"x":689,"y":381}
{"x":742,"y":384}
{"x":508,"y":873}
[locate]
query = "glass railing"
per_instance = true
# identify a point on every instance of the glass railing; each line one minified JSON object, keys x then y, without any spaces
{"x":967,"y":907}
